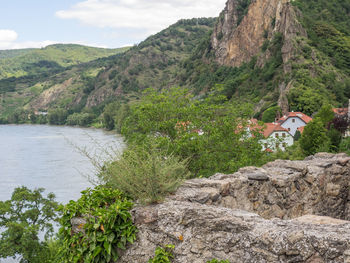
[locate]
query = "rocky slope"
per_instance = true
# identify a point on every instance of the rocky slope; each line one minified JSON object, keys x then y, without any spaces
{"x":283,"y":212}
{"x":236,"y":42}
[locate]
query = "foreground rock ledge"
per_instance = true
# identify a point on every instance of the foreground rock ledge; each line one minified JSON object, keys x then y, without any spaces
{"x":303,"y":207}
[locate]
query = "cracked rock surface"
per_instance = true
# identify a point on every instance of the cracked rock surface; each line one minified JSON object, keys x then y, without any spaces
{"x":286,"y":211}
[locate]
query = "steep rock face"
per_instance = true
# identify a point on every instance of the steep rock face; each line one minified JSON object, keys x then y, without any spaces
{"x":205,"y":219}
{"x":236,"y":44}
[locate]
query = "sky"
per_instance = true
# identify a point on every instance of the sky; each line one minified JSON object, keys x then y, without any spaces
{"x":100,"y":23}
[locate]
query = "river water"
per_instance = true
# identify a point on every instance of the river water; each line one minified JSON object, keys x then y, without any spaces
{"x":49,"y":157}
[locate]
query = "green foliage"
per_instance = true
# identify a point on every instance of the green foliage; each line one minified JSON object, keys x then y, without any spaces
{"x":145,"y":173}
{"x":271,"y":113}
{"x":22,"y":218}
{"x":49,"y":59}
{"x":345,"y":145}
{"x":81,"y":119}
{"x":307,"y":100}
{"x":108,"y":226}
{"x":163,"y":254}
{"x":57,"y":116}
{"x":335,"y":138}
{"x":325,"y":114}
{"x":314,"y":138}
{"x":202,"y":132}
{"x":297,"y":135}
{"x":109,"y":113}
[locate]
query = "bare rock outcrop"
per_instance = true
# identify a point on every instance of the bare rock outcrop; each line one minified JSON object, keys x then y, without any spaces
{"x":236,"y":42}
{"x":286,"y":211}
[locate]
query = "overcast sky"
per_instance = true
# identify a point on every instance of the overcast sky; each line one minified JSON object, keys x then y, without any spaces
{"x":103,"y":23}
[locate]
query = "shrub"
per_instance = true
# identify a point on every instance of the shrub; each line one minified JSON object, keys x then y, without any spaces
{"x":314,"y":138}
{"x":108,"y":226}
{"x":145,"y":174}
{"x":163,"y":254}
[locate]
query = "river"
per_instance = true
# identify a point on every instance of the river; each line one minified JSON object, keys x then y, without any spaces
{"x":48,"y":157}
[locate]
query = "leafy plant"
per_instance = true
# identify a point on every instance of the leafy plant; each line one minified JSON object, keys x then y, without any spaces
{"x":108,"y":226}
{"x":163,"y":254}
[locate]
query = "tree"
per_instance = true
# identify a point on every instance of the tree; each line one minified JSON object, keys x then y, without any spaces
{"x":270,"y":114}
{"x":314,"y":137}
{"x":22,"y":218}
{"x":109,"y":113}
{"x":325,"y":114}
{"x":210,"y":133}
{"x":57,"y":116}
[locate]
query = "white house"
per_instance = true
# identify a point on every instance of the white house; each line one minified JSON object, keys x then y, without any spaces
{"x":276,"y":137}
{"x":294,"y":121}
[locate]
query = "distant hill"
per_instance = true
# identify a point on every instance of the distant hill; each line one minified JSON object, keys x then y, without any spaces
{"x":153,"y":63}
{"x":23,"y":62}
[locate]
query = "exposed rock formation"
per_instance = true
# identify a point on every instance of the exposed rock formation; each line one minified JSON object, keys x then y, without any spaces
{"x":235,"y":43}
{"x":205,"y":219}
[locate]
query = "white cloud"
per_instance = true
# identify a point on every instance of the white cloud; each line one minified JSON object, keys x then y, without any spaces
{"x":148,"y":15}
{"x":7,"y":37}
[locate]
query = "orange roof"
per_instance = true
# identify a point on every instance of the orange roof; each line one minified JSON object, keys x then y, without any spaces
{"x":301,"y":129}
{"x":299,"y":115}
{"x":340,"y":111}
{"x":273,"y":127}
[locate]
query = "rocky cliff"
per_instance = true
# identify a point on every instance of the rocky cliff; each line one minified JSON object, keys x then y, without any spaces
{"x":283,"y":212}
{"x":238,"y":39}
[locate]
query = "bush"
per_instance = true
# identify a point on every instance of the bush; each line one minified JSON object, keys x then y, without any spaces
{"x":218,"y":261}
{"x":270,"y":114}
{"x":108,"y":226}
{"x":345,"y":145}
{"x":163,"y":255}
{"x":145,"y":174}
{"x":314,"y":138}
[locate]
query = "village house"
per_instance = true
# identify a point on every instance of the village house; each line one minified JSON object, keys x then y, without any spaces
{"x":294,"y":121}
{"x":276,"y":138}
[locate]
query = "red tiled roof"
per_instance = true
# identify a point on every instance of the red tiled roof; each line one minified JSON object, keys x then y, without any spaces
{"x":340,"y":111}
{"x":299,"y":115}
{"x":273,"y":127}
{"x":301,"y":129}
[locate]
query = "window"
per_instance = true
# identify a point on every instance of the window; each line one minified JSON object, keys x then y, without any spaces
{"x":288,"y":129}
{"x":293,"y":120}
{"x":276,"y":135}
{"x":283,"y":135}
{"x":284,"y":145}
{"x":277,"y":145}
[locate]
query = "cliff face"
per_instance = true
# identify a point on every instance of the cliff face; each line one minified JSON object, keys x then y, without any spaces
{"x":283,"y":212}
{"x":235,"y":43}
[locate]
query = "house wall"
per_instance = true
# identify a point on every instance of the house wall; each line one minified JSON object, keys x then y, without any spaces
{"x":272,"y":141}
{"x":293,"y":126}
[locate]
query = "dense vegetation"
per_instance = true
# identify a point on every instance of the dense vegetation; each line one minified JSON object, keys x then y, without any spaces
{"x":24,"y":62}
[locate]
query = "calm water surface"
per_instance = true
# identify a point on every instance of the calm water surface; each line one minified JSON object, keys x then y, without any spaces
{"x":44,"y":156}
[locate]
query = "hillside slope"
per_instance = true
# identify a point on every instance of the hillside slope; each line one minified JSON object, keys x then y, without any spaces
{"x":23,"y":62}
{"x":291,"y":53}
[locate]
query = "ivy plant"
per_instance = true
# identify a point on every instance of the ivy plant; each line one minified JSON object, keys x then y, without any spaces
{"x":108,"y":226}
